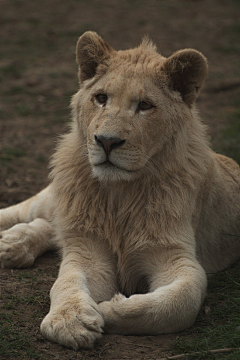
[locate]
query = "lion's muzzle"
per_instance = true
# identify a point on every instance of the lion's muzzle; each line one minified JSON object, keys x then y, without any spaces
{"x":108,"y":144}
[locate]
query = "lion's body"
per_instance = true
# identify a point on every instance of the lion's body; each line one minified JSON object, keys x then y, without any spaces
{"x":138,"y":201}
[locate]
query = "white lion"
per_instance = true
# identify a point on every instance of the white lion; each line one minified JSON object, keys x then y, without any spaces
{"x":141,"y":206}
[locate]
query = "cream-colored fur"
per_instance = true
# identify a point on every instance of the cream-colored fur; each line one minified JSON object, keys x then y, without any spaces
{"x":142,"y":208}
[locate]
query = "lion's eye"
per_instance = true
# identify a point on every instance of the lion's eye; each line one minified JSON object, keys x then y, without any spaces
{"x":143,"y":105}
{"x":101,"y":98}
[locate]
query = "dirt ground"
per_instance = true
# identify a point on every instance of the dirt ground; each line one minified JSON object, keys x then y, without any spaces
{"x":38,"y":75}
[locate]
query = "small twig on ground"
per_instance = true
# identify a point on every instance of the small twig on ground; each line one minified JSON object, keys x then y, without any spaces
{"x":185,"y":356}
{"x":40,"y":304}
{"x":136,"y":344}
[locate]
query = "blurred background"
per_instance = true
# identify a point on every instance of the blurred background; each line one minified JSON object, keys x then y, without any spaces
{"x":38,"y":76}
{"x":38,"y":72}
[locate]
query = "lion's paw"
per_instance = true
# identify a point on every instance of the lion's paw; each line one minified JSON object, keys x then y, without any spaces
{"x":112,"y":312}
{"x":106,"y":306}
{"x":74,"y":325}
{"x":118,"y":297}
{"x":16,"y":250}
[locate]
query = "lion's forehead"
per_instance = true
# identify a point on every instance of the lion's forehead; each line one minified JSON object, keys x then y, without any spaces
{"x":122,"y":85}
{"x":136,"y":62}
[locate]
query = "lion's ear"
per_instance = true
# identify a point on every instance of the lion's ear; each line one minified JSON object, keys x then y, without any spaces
{"x":91,"y":51}
{"x":186,"y":71}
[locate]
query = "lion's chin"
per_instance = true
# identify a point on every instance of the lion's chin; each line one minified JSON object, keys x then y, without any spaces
{"x":107,"y":172}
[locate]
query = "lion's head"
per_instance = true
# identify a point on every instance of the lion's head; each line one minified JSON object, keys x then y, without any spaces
{"x":132,"y":102}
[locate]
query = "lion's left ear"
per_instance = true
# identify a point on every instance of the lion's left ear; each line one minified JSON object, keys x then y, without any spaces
{"x":91,"y":51}
{"x":186,"y":71}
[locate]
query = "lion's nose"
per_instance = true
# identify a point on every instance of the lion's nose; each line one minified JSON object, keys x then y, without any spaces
{"x":108,"y":144}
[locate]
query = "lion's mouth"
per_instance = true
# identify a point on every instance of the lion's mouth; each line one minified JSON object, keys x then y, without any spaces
{"x":109,"y":171}
{"x":107,"y":164}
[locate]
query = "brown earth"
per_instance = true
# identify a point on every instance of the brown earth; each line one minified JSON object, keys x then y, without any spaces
{"x":38,"y":75}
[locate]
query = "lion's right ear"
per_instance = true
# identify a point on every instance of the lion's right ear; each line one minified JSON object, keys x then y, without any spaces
{"x":91,"y":51}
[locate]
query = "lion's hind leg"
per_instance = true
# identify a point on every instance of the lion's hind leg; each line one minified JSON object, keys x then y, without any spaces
{"x":23,"y":243}
{"x":38,"y":206}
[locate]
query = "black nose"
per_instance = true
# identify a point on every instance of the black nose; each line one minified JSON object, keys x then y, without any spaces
{"x":108,"y":144}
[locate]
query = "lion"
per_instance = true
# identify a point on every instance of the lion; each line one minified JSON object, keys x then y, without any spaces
{"x":139,"y":205}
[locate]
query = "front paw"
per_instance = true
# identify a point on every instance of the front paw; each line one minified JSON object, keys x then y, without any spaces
{"x":75,"y":324}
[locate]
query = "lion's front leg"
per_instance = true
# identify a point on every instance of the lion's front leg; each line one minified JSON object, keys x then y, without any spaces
{"x":86,"y":277}
{"x":177,"y":289}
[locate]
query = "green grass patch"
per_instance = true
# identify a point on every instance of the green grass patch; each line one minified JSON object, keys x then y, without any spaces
{"x":7,"y":154}
{"x":23,"y":110}
{"x":14,"y":70}
{"x":219,"y":326}
{"x":41,"y":159}
{"x":14,"y":343}
{"x":232,"y":45}
{"x":53,"y":75}
{"x":142,"y":22}
{"x":16,"y":89}
{"x":229,"y":139}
